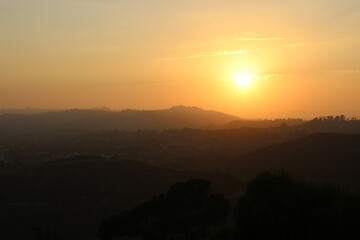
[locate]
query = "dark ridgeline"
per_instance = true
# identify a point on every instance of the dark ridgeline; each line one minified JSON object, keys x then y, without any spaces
{"x":263,"y":123}
{"x":94,"y":120}
{"x":277,"y":207}
{"x":63,"y":173}
{"x":274,"y":206}
{"x":75,"y":195}
{"x":320,"y":157}
{"x":185,"y":212}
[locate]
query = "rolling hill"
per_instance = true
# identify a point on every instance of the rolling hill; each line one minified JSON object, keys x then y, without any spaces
{"x":75,"y":195}
{"x":174,"y":118}
{"x":320,"y":157}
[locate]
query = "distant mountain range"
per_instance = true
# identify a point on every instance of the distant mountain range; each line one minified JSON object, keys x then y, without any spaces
{"x":174,"y":118}
{"x":26,"y":110}
{"x":21,"y":122}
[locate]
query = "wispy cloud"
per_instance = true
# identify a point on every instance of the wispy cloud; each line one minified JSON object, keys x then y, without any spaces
{"x":208,"y":54}
{"x":221,"y":53}
{"x":250,"y":36}
{"x":270,"y":76}
{"x":258,"y":77}
{"x":259,"y":39}
{"x":293,"y":45}
{"x":346,"y":71}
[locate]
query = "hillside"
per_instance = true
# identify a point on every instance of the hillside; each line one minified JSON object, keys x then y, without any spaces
{"x":321,"y":157}
{"x":75,"y":195}
{"x":176,"y":118}
{"x":262,"y":123}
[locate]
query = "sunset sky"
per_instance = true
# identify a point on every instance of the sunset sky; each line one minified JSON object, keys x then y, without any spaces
{"x":254,"y":59}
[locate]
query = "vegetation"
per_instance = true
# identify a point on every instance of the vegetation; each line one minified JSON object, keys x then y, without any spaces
{"x":185,"y":212}
{"x":274,"y":206}
{"x":72,"y":178}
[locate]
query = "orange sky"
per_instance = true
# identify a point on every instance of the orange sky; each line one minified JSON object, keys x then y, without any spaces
{"x":303,"y":56}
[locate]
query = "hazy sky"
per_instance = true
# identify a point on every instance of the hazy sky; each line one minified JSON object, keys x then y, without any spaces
{"x":303,"y":56}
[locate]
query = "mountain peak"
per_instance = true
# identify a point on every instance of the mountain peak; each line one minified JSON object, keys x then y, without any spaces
{"x":182,"y":107}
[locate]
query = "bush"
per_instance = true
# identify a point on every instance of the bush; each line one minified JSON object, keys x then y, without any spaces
{"x":185,"y":212}
{"x":275,"y":206}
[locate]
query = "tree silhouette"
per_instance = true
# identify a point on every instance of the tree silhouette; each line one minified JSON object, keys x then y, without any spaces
{"x":49,"y":233}
{"x":275,"y":206}
{"x":185,"y":212}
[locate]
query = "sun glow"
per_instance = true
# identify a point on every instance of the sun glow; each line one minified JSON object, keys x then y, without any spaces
{"x":243,"y":80}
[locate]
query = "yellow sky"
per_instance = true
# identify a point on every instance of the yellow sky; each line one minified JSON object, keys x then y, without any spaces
{"x":304,"y":56}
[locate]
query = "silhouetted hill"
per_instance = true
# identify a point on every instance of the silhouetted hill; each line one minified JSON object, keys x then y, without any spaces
{"x":330,"y":124}
{"x":321,"y":157}
{"x":180,"y":149}
{"x":175,"y":118}
{"x":335,"y":126}
{"x":77,"y":194}
{"x":26,"y":111}
{"x":262,"y":123}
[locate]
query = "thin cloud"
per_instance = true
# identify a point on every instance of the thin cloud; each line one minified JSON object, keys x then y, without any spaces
{"x":259,"y":39}
{"x":346,"y":71}
{"x":270,"y":76}
{"x":293,"y":45}
{"x":261,"y":77}
{"x":209,"y":54}
{"x":224,"y":52}
{"x":251,"y":36}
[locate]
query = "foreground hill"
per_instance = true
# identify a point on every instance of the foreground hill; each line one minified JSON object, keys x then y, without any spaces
{"x":175,"y":118}
{"x":75,"y":195}
{"x":321,"y":157}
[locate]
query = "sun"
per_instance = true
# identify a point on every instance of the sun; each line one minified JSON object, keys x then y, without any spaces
{"x":243,"y":80}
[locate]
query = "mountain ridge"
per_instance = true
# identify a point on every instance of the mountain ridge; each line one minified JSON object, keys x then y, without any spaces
{"x":328,"y":157}
{"x":93,"y":119}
